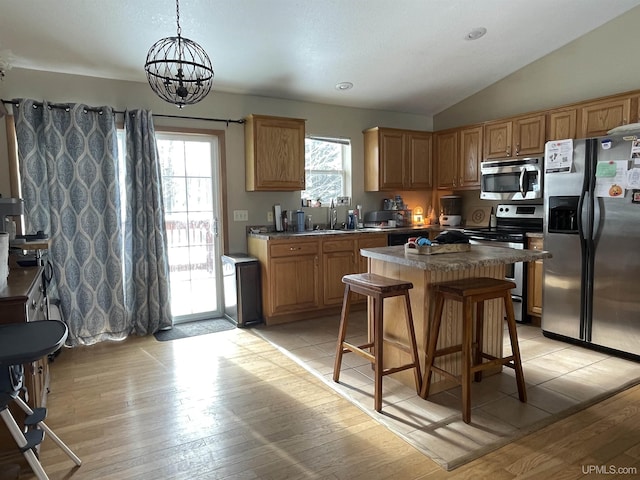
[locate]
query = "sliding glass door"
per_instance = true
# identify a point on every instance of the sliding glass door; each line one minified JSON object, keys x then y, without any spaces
{"x":190,"y":169}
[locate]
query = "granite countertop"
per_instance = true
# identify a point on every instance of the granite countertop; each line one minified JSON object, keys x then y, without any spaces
{"x":321,"y":232}
{"x":478,"y":256}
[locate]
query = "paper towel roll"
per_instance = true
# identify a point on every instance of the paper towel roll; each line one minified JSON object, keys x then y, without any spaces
{"x":4,"y":259}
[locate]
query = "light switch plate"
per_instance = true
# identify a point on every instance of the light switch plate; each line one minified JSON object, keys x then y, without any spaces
{"x":240,"y":216}
{"x":346,"y":201}
{"x":269,"y":216}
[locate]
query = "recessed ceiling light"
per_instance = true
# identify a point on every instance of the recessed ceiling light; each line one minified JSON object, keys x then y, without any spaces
{"x":476,"y":33}
{"x":344,"y":86}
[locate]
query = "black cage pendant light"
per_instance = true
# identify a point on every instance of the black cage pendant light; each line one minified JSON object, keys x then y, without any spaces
{"x":178,"y":69}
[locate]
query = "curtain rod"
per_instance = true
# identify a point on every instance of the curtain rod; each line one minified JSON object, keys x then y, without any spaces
{"x":121,"y":112}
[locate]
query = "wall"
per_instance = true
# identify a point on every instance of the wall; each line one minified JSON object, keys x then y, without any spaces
{"x":598,"y":64}
{"x":323,"y":120}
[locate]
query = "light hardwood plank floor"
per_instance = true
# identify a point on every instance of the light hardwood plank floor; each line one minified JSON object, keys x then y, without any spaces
{"x":231,"y":406}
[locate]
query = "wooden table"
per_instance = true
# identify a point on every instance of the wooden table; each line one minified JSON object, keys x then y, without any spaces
{"x":425,"y":270}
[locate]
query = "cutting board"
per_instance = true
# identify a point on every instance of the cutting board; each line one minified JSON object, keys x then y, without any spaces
{"x":478,"y":217}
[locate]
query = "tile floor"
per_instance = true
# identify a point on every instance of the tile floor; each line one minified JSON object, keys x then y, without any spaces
{"x":561,"y":378}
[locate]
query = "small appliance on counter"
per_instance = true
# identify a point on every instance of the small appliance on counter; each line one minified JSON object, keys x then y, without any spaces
{"x":450,"y":210}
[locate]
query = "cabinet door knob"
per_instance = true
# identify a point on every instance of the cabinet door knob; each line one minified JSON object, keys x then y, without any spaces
{"x":508,"y":150}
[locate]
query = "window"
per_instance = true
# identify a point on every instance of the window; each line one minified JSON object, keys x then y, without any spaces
{"x":326,"y":162}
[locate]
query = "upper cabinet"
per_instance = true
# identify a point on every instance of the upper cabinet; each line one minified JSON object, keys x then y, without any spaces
{"x":563,"y":124}
{"x":274,"y":153}
{"x":457,"y":156}
{"x":597,"y":118}
{"x":397,"y":159}
{"x":517,"y":137}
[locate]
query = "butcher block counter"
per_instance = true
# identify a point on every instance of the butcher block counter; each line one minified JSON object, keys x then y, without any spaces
{"x":425,"y":270}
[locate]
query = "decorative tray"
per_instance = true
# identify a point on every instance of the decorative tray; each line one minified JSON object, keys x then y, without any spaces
{"x":436,"y":248}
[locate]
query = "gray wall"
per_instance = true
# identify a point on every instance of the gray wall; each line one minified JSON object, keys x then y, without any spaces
{"x":322,"y":120}
{"x":603,"y":62}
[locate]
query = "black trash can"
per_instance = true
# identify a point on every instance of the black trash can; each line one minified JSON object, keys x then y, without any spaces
{"x":242,"y":293}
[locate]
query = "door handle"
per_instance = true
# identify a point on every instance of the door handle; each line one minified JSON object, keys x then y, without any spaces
{"x":523,"y":177}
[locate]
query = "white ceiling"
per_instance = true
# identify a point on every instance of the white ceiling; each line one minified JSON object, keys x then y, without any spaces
{"x":401,"y":55}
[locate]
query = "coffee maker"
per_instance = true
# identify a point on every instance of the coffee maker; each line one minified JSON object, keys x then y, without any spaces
{"x":9,"y":207}
{"x":450,"y":210}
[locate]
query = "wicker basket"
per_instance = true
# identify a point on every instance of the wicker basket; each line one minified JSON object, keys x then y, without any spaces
{"x":436,"y":248}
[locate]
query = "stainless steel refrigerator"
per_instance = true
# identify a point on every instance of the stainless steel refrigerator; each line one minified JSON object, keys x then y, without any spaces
{"x":592,"y":228}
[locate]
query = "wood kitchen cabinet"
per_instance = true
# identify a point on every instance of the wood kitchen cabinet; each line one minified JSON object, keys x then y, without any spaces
{"x":397,"y":159}
{"x":302,"y":277}
{"x":517,"y":137}
{"x":24,"y":300}
{"x":597,"y":118}
{"x":457,"y":157}
{"x":534,"y":280}
{"x":290,"y":271}
{"x":274,"y":153}
{"x":563,"y":124}
{"x":338,"y":259}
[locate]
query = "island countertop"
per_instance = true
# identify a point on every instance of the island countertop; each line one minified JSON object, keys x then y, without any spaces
{"x":477,"y":256}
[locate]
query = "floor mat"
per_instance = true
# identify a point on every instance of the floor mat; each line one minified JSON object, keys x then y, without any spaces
{"x":193,"y":329}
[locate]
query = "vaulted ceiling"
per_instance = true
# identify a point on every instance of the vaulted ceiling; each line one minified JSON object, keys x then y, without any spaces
{"x":401,"y":55}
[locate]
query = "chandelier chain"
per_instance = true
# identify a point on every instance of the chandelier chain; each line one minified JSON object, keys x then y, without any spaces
{"x":178,"y":16}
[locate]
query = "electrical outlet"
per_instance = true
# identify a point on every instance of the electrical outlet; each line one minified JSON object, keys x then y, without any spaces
{"x":345,"y":201}
{"x":240,"y":216}
{"x":269,"y":216}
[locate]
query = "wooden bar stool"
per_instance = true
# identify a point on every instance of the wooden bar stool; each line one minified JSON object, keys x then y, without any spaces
{"x":378,"y":288}
{"x":470,"y":291}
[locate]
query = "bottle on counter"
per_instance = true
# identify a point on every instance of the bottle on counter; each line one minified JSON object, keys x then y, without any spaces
{"x":350,"y":220}
{"x":300,"y":220}
{"x":309,"y":223}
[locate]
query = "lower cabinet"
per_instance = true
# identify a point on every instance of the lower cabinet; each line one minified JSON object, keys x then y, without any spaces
{"x":534,"y":280}
{"x":303,"y":277}
{"x":294,"y":281}
{"x":338,"y":260}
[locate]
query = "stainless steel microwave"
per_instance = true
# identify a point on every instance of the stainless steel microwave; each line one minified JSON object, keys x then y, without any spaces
{"x":512,"y":179}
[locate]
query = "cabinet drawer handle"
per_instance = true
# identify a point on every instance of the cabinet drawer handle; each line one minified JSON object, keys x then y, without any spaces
{"x":293,"y":249}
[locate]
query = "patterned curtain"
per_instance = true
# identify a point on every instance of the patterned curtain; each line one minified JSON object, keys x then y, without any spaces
{"x":107,"y":245}
{"x":69,"y":174}
{"x":147,"y":263}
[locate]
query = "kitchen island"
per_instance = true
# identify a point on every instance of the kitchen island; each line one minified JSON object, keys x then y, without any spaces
{"x":425,"y":270}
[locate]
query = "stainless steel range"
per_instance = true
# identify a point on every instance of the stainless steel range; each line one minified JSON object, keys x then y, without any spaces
{"x":512,"y":224}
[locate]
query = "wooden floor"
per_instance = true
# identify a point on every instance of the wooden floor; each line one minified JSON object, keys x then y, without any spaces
{"x":229,"y":405}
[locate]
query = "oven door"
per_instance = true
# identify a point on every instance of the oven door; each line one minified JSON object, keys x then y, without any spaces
{"x":511,"y":181}
{"x":513,"y":272}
